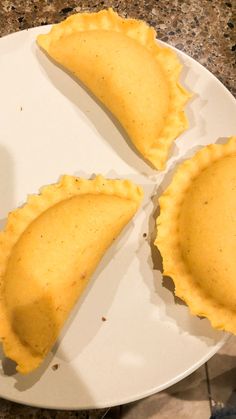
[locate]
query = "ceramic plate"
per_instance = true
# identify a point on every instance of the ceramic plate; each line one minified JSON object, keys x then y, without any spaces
{"x":50,"y":126}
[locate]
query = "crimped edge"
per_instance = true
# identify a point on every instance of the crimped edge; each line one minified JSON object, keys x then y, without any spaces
{"x":199,"y":302}
{"x":138,"y":30}
{"x":19,"y":219}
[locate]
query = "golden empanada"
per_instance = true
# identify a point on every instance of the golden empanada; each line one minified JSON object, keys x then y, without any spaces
{"x":134,"y":77}
{"x":196,"y":233}
{"x":48,"y":251}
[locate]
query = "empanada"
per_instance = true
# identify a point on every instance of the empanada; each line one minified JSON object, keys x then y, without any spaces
{"x":196,"y":233}
{"x":48,"y":251}
{"x":134,"y":77}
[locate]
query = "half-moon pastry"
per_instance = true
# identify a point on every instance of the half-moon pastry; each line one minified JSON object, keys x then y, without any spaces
{"x":196,"y":233}
{"x":48,"y":251}
{"x":119,"y":61}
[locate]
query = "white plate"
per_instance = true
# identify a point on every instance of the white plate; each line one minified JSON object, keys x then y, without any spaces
{"x":49,"y":126}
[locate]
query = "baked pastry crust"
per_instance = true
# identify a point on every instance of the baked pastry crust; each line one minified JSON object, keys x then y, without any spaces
{"x":196,"y":233}
{"x":136,"y":79}
{"x":48,"y":251}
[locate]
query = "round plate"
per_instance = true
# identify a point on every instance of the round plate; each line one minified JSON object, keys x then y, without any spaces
{"x":49,"y":126}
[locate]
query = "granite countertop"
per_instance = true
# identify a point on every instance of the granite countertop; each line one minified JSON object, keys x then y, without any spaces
{"x":204,"y":30}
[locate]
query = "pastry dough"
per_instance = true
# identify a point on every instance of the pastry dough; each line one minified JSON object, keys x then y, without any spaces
{"x":134,"y":77}
{"x":48,"y":251}
{"x":196,"y":234}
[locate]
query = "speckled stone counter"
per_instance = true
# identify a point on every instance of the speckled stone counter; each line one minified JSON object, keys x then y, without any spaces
{"x":204,"y":30}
